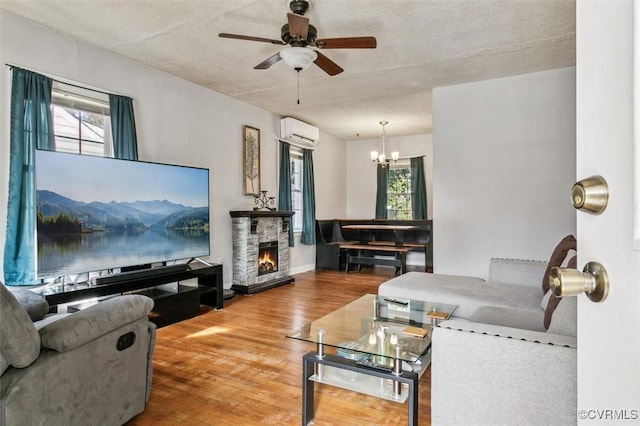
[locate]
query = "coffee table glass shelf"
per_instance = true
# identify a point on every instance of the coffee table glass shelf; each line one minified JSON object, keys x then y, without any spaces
{"x":381,"y":348}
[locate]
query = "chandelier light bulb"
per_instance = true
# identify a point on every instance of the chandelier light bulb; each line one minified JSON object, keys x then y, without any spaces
{"x":374,"y":155}
{"x":395,"y":155}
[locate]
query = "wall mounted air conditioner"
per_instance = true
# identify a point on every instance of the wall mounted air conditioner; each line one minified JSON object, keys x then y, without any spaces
{"x":298,"y":132}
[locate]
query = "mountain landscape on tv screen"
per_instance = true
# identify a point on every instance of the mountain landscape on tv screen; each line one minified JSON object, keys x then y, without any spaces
{"x":58,"y":214}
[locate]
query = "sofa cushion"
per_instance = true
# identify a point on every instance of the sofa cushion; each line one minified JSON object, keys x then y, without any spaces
{"x":516,"y":271}
{"x":565,"y":318}
{"x":19,"y":339}
{"x":35,"y":304}
{"x":468,"y":293}
{"x":558,"y":256}
{"x":509,"y":317}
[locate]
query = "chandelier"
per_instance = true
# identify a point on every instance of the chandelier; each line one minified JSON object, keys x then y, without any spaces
{"x":381,"y":158}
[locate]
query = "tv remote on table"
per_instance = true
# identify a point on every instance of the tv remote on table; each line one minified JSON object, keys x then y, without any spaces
{"x":366,"y":363}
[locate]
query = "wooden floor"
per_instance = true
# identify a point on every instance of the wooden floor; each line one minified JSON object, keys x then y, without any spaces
{"x":236,"y":367}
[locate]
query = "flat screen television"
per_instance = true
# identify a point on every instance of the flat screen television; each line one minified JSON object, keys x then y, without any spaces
{"x":98,"y":213}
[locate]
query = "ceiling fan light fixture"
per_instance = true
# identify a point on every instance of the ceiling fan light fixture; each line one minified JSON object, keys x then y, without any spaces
{"x":298,"y":58}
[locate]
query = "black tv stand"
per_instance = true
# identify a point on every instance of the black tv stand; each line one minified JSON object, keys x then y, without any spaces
{"x":208,"y":292}
{"x":141,"y":274}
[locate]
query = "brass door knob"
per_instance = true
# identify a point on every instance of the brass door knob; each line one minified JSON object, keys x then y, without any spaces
{"x":593,"y":281}
{"x":590,"y":195}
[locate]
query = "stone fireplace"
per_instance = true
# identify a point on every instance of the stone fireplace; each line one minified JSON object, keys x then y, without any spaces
{"x":260,"y":250}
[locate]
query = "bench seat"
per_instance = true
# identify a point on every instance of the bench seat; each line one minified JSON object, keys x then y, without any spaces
{"x":399,"y":253}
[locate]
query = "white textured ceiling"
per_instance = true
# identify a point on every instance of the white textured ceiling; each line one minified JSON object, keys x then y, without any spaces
{"x":422,"y":44}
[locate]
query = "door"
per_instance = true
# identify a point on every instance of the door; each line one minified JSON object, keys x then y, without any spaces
{"x":608,"y":332}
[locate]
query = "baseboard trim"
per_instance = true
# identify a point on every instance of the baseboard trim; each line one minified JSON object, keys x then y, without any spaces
{"x":258,"y":287}
{"x":303,"y":268}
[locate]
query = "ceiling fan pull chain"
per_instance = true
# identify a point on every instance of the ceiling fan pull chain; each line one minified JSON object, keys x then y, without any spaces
{"x":298,"y":70}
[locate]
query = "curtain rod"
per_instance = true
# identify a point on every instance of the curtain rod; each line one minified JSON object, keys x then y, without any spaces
{"x":59,"y":80}
{"x":405,"y":159}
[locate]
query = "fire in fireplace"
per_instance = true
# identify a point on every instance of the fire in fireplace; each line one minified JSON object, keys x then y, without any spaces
{"x":267,"y":257}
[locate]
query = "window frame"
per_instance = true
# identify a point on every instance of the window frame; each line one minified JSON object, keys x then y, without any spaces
{"x":295,"y":159}
{"x":408,"y":210}
{"x":77,"y":101}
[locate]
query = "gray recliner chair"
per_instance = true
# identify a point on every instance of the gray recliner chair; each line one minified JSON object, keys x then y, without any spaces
{"x":90,"y":367}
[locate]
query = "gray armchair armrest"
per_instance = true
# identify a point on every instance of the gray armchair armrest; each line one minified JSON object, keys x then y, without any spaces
{"x":84,"y":326}
{"x":484,"y":374}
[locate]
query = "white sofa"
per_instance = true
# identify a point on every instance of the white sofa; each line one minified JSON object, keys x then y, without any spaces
{"x":494,"y":362}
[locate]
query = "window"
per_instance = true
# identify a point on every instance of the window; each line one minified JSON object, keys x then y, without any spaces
{"x":295,"y":154}
{"x":399,"y":193}
{"x":81,"y":120}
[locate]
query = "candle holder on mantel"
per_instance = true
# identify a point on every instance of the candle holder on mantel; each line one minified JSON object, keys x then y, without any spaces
{"x":263,"y":202}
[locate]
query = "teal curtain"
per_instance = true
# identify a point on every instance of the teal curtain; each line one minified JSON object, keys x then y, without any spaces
{"x":123,"y":127}
{"x":418,"y":188}
{"x":284,"y":184}
{"x":31,"y":128}
{"x":308,"y":235}
{"x":381,"y":192}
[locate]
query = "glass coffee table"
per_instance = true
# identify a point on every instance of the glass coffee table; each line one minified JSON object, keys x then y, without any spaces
{"x":382,"y":348}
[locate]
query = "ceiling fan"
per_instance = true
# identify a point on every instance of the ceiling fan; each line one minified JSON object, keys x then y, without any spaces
{"x":299,"y":35}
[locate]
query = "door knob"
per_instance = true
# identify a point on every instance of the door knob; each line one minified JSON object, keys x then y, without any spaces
{"x":593,"y":281}
{"x":590,"y":195}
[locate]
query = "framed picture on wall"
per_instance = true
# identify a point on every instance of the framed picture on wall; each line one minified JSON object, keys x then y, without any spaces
{"x":251,"y":166}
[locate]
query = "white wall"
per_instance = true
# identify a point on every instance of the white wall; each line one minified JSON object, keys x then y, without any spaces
{"x":361,"y":173}
{"x":504,"y":161}
{"x":177,"y":122}
{"x":330,"y":169}
{"x":329,"y":166}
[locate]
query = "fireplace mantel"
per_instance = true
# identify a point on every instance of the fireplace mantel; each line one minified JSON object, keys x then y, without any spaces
{"x":250,"y":228}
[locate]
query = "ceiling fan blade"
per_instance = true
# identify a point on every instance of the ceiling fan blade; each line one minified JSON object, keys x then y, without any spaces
{"x":327,"y":64}
{"x":268,"y":62}
{"x":347,"y":43}
{"x":298,"y":25}
{"x":251,"y":38}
